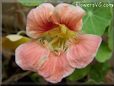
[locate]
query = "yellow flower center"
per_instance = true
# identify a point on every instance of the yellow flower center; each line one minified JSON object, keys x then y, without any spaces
{"x":55,"y":39}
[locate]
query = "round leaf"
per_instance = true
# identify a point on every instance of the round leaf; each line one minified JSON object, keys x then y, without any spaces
{"x":97,"y":19}
{"x":104,"y":53}
{"x":110,"y":37}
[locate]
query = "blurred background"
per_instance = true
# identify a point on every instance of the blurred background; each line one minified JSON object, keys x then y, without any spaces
{"x":100,"y":71}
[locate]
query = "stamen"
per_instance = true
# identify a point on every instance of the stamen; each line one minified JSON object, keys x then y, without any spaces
{"x":56,"y":38}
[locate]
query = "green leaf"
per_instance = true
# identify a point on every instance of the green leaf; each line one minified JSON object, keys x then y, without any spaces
{"x":12,"y":41}
{"x":104,"y":53}
{"x":31,"y":2}
{"x":111,"y":37}
{"x":79,"y":74}
{"x":96,"y":19}
{"x":98,"y":71}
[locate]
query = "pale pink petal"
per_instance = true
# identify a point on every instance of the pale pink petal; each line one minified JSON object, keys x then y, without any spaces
{"x":56,"y":68}
{"x":82,"y":50}
{"x":69,"y":15}
{"x":30,"y":56}
{"x":38,"y":20}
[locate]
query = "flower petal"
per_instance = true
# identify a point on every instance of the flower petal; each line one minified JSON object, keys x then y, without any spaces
{"x":38,"y":20}
{"x":55,"y":68}
{"x":69,"y":15}
{"x":31,"y":55}
{"x":81,"y":53}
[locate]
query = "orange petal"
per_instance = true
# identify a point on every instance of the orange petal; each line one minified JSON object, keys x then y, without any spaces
{"x":82,"y":53}
{"x":56,"y":68}
{"x":69,"y":15}
{"x":30,"y":56}
{"x":38,"y":20}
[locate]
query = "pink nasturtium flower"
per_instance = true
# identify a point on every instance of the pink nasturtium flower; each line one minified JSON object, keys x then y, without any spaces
{"x":58,"y":45}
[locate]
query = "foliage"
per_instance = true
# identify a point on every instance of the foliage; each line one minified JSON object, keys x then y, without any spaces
{"x":79,"y":73}
{"x":104,"y":53}
{"x":31,"y":3}
{"x":94,"y":72}
{"x":98,"y":71}
{"x":111,"y":37}
{"x":96,"y":21}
